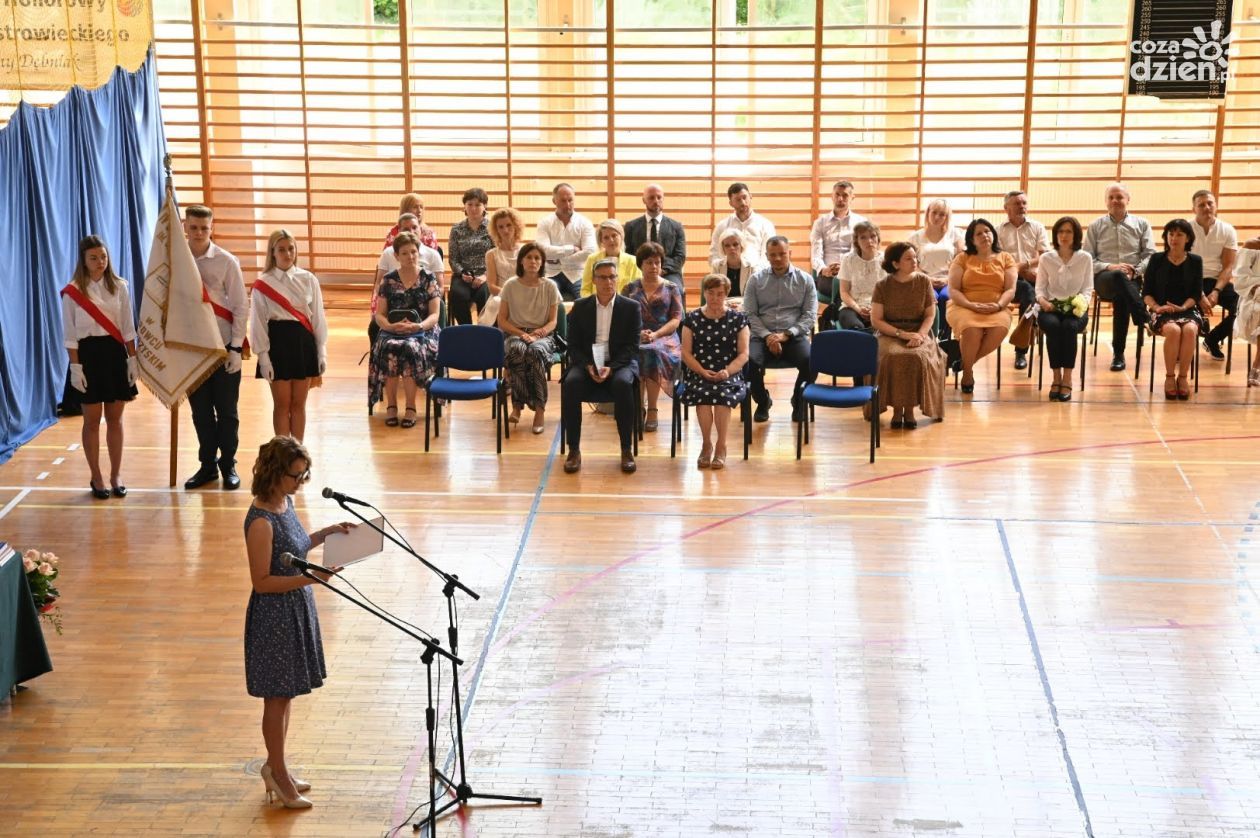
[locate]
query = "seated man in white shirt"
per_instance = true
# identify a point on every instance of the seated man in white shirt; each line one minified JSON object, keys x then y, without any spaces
{"x":1025,"y":239}
{"x":757,"y":229}
{"x":430,"y":259}
{"x":568,"y":238}
{"x":1216,"y":242}
{"x":831,"y":238}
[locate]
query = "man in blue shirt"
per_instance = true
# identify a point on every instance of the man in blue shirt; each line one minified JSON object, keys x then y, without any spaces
{"x":782,"y":305}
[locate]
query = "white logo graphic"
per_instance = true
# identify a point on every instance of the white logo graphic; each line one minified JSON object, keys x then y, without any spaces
{"x":1203,"y":58}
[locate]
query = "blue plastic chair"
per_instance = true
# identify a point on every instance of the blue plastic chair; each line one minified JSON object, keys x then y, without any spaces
{"x":842,"y":353}
{"x":679,"y":414}
{"x":469,"y":348}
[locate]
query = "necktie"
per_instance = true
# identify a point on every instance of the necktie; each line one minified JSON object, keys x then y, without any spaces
{"x":652,"y":234}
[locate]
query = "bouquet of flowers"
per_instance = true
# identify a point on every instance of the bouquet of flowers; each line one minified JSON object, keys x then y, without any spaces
{"x":1075,"y":306}
{"x":41,"y":574}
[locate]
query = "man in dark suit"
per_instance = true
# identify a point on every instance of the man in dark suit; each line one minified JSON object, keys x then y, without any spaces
{"x":603,"y":328}
{"x":653,"y":226}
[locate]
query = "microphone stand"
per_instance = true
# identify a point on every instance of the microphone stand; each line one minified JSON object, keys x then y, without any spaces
{"x":462,"y":790}
{"x":431,"y":649}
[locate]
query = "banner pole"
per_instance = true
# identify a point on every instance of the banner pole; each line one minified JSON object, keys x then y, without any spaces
{"x":170,"y":188}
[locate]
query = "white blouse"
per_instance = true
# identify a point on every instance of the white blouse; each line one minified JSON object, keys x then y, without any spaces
{"x":1059,"y":281}
{"x":301,"y":288}
{"x":862,"y":276}
{"x":935,"y":257}
{"x":78,"y":324}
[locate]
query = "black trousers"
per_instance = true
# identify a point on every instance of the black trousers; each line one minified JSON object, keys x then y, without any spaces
{"x":1061,"y":331}
{"x":618,"y":388}
{"x":1125,"y":296}
{"x":795,"y":354}
{"x":569,"y":290}
{"x":1228,"y":301}
{"x":215,"y":417}
{"x":847,"y":318}
{"x":462,"y":298}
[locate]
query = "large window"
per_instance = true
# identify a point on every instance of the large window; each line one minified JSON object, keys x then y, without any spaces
{"x":316,"y":115}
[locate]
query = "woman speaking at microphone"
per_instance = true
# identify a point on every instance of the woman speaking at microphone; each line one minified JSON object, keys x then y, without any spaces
{"x":284,"y":656}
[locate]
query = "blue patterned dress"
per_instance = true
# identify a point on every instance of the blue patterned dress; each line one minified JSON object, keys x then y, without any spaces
{"x":413,"y":355}
{"x":284,"y":656}
{"x":715,"y":343}
{"x":660,"y":358}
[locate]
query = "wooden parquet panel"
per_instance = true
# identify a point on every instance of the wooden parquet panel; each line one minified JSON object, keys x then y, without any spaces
{"x":1033,"y":619}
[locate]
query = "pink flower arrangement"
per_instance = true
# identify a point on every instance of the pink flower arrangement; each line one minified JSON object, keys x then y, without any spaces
{"x":41,"y":574}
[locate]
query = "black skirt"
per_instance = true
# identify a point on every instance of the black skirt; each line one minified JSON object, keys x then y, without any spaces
{"x":293,"y":352}
{"x":104,"y":363}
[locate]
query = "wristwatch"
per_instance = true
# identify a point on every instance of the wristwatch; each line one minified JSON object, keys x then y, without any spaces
{"x":235,"y":349}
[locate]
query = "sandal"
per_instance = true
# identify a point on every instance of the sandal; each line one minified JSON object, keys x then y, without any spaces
{"x":1065,"y":393}
{"x":538,"y":422}
{"x":651,"y":424}
{"x":896,"y":423}
{"x":1170,"y":388}
{"x":1253,"y":377}
{"x":409,"y":418}
{"x":391,"y":416}
{"x":515,"y":415}
{"x":719,"y":461}
{"x":910,"y":423}
{"x":1054,"y":391}
{"x":706,"y":457}
{"x":1183,"y":388}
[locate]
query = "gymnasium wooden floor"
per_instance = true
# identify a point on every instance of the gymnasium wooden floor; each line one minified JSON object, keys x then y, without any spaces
{"x":1034,"y":619}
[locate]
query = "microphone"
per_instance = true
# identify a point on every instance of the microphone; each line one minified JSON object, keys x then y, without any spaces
{"x":343,"y":499}
{"x":290,"y":560}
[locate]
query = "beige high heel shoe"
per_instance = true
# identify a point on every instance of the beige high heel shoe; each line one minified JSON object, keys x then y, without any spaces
{"x":273,"y":788}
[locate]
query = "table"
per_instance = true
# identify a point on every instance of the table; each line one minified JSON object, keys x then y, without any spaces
{"x":23,"y":654}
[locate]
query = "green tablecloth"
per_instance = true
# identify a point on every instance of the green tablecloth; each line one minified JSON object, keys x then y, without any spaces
{"x":23,"y":654}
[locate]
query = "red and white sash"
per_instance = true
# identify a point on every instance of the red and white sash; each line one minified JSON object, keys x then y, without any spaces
{"x":283,"y":301}
{"x":72,"y":291}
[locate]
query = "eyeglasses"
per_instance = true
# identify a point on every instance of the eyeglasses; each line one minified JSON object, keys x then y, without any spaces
{"x":302,"y":476}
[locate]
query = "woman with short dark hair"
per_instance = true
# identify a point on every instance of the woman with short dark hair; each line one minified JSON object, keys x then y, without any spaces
{"x":466,"y":250}
{"x":714,"y":352}
{"x":981,"y":286}
{"x":529,"y":308}
{"x":660,"y":302}
{"x":406,"y":348}
{"x":284,"y":653}
{"x":911,"y":368}
{"x":1065,"y":284}
{"x":1171,"y":288}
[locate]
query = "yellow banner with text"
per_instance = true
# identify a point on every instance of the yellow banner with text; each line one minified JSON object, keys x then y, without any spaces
{"x":56,"y":44}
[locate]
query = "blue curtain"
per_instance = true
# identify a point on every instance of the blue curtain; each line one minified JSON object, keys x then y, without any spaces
{"x":92,"y":164}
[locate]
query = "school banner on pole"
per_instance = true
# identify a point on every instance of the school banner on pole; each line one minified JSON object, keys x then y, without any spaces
{"x":56,"y":44}
{"x":179,"y":342}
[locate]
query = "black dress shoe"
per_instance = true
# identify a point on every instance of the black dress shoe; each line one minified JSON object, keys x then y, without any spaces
{"x":1021,"y":359}
{"x":204,"y":475}
{"x":573,"y":462}
{"x":1117,"y":363}
{"x":1214,"y":349}
{"x":231,"y":480}
{"x":99,"y":494}
{"x":762,"y":413}
{"x":627,"y":462}
{"x":119,"y":491}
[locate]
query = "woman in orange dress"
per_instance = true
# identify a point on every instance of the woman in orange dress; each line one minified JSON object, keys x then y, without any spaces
{"x":981,"y":287}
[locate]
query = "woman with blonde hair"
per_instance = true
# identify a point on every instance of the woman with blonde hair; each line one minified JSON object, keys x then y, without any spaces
{"x":413,"y":204}
{"x":284,"y":653}
{"x":100,"y":337}
{"x":611,"y":237}
{"x":937,"y":244}
{"x":289,"y":333}
{"x":507,"y":229}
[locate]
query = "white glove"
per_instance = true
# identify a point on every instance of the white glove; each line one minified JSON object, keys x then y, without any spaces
{"x":323,"y":365}
{"x":233,"y":362}
{"x":264,"y":366}
{"x":133,"y":370}
{"x":77,"y":381}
